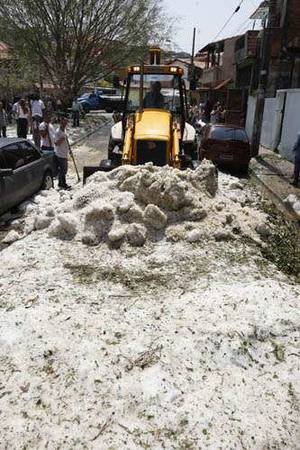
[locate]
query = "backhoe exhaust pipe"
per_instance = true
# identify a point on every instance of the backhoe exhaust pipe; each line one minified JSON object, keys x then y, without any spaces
{"x":141,"y":106}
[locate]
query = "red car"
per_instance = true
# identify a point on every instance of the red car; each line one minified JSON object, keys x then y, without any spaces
{"x":227,"y":146}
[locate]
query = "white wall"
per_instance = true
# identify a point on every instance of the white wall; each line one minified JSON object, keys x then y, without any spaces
{"x":291,"y":123}
{"x":277,"y":113}
{"x":268,"y":132}
{"x":250,"y":116}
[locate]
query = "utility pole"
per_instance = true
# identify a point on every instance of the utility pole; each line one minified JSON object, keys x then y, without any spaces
{"x":263,"y":76}
{"x":192,"y":71}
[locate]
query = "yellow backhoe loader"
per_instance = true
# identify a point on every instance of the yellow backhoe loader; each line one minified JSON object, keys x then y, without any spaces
{"x":153,"y":126}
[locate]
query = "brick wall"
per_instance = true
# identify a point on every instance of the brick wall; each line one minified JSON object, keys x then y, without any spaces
{"x":293,"y":22}
{"x":252,"y":43}
{"x":229,"y":68}
{"x":288,"y":36}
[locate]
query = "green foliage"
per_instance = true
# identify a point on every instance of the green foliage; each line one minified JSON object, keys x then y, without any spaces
{"x":78,"y":41}
{"x":283,"y":247}
{"x":17,"y":75}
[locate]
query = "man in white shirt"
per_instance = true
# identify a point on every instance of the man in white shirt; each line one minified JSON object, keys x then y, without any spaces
{"x":37,"y":111}
{"x":62,"y":149}
{"x":47,"y":133}
{"x":37,"y":108}
{"x":15,"y":109}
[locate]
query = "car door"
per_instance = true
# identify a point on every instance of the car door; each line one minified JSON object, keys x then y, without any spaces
{"x":94,"y":101}
{"x":16,"y":186}
{"x":4,"y":205}
{"x":34,"y":166}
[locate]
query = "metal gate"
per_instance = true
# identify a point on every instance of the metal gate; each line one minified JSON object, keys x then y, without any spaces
{"x":236,"y":107}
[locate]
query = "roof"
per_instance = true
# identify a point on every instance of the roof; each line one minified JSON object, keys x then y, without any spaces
{"x":6,"y":141}
{"x":212,"y":45}
{"x":261,"y":12}
{"x":223,"y":84}
{"x":187,"y":61}
{"x":212,"y":87}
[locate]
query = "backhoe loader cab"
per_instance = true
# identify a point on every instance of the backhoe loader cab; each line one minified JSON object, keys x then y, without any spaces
{"x":153,"y":126}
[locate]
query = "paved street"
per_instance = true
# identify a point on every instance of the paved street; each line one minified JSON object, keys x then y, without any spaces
{"x":168,"y":345}
{"x":94,"y":148}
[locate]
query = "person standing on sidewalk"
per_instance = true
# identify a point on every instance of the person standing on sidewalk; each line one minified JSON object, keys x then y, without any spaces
{"x":61,"y":149}
{"x":207,"y":109}
{"x":3,"y":121}
{"x":23,"y":116}
{"x":47,"y":133}
{"x":37,"y":107}
{"x":76,"y":111}
{"x":296,"y":150}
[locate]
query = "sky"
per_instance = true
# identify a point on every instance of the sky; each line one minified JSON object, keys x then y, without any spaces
{"x":208,"y":16}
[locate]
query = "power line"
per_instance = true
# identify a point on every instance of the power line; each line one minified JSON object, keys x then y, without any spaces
{"x":247,"y":21}
{"x":229,"y":19}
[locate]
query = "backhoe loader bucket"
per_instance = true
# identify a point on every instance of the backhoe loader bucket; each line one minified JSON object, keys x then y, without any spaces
{"x":105,"y":166}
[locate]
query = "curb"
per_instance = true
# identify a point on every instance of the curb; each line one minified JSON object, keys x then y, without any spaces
{"x":276,"y":199}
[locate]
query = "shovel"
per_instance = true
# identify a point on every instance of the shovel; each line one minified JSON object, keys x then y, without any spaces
{"x":74,"y":162}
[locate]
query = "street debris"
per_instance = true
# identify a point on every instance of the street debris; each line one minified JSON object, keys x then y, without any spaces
{"x":146,"y":358}
{"x":12,"y":236}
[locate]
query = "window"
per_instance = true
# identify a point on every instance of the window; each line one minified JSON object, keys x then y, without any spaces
{"x":106,"y":91}
{"x":31,"y":153}
{"x":228,"y":134}
{"x":2,"y":161}
{"x":222,"y":133}
{"x":240,"y":135}
{"x":14,"y":157}
{"x":165,"y":96}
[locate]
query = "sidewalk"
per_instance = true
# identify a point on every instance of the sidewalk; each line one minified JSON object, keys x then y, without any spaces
{"x":275,"y":174}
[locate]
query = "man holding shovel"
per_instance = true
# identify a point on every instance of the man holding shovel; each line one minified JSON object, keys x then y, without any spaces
{"x":62,"y":149}
{"x":47,"y":133}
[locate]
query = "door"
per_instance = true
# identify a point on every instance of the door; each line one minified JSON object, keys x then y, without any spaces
{"x":94,"y":101}
{"x":34,"y":166}
{"x":4,"y":205}
{"x":236,"y":107}
{"x":16,"y":186}
{"x":279,"y":116}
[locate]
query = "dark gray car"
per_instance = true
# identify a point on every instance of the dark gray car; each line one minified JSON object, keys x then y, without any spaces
{"x":24,"y":170}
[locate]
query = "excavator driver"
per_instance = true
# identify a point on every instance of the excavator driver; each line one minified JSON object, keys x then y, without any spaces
{"x":154,"y":98}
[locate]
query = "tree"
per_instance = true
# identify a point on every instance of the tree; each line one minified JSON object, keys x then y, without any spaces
{"x":75,"y":41}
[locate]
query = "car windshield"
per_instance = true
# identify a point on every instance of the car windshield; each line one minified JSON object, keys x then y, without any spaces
{"x":105,"y":91}
{"x":228,"y":134}
{"x":160,"y":91}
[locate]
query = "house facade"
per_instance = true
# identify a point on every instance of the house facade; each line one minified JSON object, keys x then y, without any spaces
{"x":219,"y":63}
{"x":281,"y":85}
{"x":247,"y":49}
{"x":186,"y":65}
{"x":284,"y":28}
